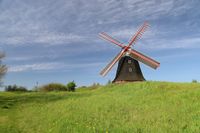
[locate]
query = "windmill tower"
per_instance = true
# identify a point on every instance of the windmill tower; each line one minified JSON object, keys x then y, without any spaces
{"x":128,"y":69}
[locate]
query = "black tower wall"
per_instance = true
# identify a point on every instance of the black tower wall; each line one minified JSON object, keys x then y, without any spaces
{"x":128,"y":70}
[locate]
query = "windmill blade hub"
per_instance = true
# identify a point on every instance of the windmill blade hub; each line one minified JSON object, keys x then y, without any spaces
{"x":127,"y":53}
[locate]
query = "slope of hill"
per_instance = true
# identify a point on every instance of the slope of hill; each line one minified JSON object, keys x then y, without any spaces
{"x":132,"y":107}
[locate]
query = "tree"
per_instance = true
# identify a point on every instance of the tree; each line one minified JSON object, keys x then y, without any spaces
{"x":13,"y":88}
{"x":71,"y":86}
{"x":194,"y":81}
{"x":3,"y":68}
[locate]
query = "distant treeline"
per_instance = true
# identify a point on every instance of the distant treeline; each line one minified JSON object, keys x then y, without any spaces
{"x":71,"y":86}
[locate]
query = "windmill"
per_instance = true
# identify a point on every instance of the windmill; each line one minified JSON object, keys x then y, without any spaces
{"x":128,"y":69}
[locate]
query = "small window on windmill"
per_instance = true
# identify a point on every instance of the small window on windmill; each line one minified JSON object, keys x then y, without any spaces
{"x":129,"y":61}
{"x":130,"y":69}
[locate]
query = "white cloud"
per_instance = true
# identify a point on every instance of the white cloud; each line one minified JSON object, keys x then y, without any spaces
{"x":56,"y":38}
{"x":19,"y":58}
{"x":42,"y":38}
{"x":22,"y":23}
{"x":124,"y":33}
{"x":188,"y":42}
{"x":112,"y":11}
{"x":26,"y":22}
{"x":50,"y":66}
{"x":32,"y":67}
{"x":165,"y":44}
{"x":154,"y":39}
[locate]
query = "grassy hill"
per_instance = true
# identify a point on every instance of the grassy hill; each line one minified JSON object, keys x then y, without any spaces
{"x":132,"y":107}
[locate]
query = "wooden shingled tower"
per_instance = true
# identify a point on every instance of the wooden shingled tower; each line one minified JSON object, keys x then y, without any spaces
{"x":128,"y":69}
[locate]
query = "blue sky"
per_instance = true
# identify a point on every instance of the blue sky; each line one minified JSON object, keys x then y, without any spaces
{"x":57,"y":40}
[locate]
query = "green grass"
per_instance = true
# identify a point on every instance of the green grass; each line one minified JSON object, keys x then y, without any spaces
{"x":132,"y":107}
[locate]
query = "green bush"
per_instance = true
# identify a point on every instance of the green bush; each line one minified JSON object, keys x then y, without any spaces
{"x":71,"y":86}
{"x":194,"y":81}
{"x":15,"y":88}
{"x":53,"y":87}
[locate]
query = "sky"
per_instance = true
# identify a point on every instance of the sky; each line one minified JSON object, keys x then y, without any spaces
{"x":57,"y":40}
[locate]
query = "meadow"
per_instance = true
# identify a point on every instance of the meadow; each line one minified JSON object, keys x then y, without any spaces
{"x":157,"y":107}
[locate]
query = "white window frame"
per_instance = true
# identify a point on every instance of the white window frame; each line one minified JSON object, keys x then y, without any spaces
{"x":130,"y":69}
